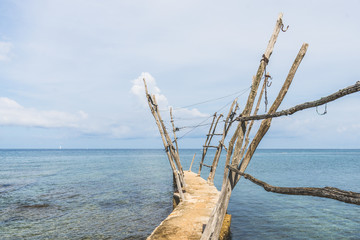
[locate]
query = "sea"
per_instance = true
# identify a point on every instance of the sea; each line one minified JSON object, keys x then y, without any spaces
{"x":126,"y":193}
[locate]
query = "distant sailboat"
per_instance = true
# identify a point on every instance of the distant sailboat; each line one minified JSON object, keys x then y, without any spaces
{"x":60,"y":147}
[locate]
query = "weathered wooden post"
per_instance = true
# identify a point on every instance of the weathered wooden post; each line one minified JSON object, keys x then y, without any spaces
{"x":174,"y":131}
{"x":192,"y":162}
{"x":207,"y":143}
{"x":227,"y":125}
{"x":213,"y":227}
{"x":246,"y":143}
{"x":165,"y":138}
{"x":234,"y":177}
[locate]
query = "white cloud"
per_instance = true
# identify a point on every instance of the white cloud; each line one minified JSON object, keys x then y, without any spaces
{"x":186,"y":113}
{"x":12,"y":113}
{"x":5,"y":49}
{"x":138,"y":89}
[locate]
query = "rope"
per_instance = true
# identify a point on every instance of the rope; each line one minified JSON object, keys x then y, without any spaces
{"x":206,"y":124}
{"x":194,"y":128}
{"x":267,"y":84}
{"x":202,"y":122}
{"x":210,"y":100}
{"x":186,"y":119}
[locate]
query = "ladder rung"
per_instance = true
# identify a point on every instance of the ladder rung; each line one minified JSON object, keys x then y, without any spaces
{"x":206,"y":165}
{"x":212,"y":146}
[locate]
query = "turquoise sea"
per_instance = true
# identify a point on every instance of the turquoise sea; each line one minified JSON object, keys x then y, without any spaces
{"x":125,"y":194}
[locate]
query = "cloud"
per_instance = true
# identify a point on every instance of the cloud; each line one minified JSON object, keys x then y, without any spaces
{"x":186,"y":113}
{"x":138,"y":89}
{"x":13,"y":114}
{"x":5,"y":49}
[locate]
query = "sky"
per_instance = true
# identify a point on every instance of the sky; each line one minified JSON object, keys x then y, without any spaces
{"x":71,"y":70}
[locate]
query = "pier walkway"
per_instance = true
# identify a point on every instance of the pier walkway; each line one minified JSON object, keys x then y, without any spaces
{"x":188,"y":218}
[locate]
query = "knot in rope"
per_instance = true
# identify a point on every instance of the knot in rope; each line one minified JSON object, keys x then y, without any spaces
{"x":265,"y":59}
{"x":232,"y":115}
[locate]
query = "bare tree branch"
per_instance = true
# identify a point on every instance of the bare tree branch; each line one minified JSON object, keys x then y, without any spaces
{"x":326,"y":192}
{"x":343,"y":92}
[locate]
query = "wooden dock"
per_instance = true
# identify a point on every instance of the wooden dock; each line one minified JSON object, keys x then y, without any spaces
{"x":189,"y":217}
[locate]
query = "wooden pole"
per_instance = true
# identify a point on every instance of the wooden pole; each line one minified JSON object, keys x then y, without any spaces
{"x":213,"y":227}
{"x":170,"y":146}
{"x":227,"y":125}
{"x":152,"y":106}
{"x":174,"y":131}
{"x":246,"y":143}
{"x":326,"y":192}
{"x":208,"y":136}
{"x":207,"y":146}
{"x":192,"y":162}
{"x":265,"y":124}
{"x":234,"y":177}
{"x":332,"y":97}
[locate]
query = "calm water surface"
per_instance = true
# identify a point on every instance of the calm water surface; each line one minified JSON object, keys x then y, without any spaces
{"x":125,"y":194}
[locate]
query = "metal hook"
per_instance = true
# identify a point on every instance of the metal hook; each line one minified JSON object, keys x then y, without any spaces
{"x":325,"y":111}
{"x":268,"y":83}
{"x":282,"y":27}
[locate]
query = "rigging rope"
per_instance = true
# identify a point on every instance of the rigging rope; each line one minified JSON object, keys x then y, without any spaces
{"x":210,"y":100}
{"x":202,"y":123}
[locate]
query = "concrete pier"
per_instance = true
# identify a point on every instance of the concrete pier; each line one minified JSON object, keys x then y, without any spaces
{"x":189,"y":217}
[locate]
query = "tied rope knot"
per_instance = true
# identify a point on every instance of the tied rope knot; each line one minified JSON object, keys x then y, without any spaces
{"x":265,"y":59}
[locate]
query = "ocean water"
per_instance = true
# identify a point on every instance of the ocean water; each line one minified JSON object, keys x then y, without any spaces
{"x":125,"y":194}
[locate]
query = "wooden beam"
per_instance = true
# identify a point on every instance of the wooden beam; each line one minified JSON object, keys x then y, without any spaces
{"x":326,"y":192}
{"x":174,"y":131}
{"x":209,"y":136}
{"x":227,"y":124}
{"x":192,"y":162}
{"x":332,"y":97}
{"x":206,"y":165}
{"x":170,"y":147}
{"x":152,"y":106}
{"x":246,"y":143}
{"x":206,"y":146}
{"x":265,"y":124}
{"x":213,"y":227}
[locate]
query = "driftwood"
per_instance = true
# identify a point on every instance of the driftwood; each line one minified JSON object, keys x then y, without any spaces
{"x":326,"y":192}
{"x":332,"y":97}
